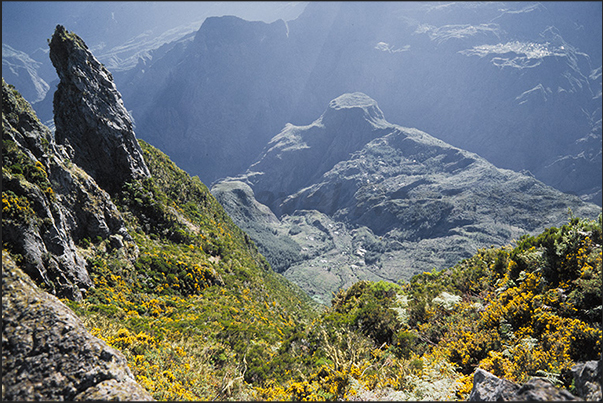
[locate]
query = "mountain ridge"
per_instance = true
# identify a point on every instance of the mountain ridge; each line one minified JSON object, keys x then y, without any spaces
{"x":440,"y":62}
{"x":402,"y":201}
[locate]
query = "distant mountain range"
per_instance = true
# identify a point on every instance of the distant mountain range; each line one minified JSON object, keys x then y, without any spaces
{"x":353,"y":197}
{"x":517,"y":83}
{"x":22,"y":70}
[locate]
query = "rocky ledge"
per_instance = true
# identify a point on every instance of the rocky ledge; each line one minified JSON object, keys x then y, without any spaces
{"x":47,"y":354}
{"x":587,"y":380}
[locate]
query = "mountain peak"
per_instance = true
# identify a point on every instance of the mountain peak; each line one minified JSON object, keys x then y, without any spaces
{"x":353,"y":100}
{"x":356,"y":105}
{"x":90,"y":116}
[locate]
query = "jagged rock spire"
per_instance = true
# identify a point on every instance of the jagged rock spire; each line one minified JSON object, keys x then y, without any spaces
{"x":90,"y":116}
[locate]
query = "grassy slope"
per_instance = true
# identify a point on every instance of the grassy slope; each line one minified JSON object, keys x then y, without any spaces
{"x":199,"y":312}
{"x":200,"y":315}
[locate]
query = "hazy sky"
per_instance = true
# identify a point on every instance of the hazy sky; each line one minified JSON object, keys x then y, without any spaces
{"x":27,"y":24}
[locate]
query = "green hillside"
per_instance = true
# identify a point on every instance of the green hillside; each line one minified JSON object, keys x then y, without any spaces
{"x":200,"y":315}
{"x":199,"y":311}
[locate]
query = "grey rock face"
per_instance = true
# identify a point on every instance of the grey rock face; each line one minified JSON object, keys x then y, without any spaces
{"x":587,"y":378}
{"x":489,"y":388}
{"x":67,"y":205}
{"x":90,"y":115}
{"x":47,"y":354}
{"x":540,"y":390}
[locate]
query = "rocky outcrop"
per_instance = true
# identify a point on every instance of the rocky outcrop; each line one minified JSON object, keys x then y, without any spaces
{"x":90,"y":116}
{"x":49,"y":203}
{"x":587,"y":379}
{"x":47,"y":354}
{"x":55,"y":195}
{"x":489,"y":388}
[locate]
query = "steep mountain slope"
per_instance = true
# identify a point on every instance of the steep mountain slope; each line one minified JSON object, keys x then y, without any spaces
{"x":122,"y":35}
{"x":199,"y":108}
{"x":517,"y":83}
{"x":155,"y":263}
{"x":387,"y":201}
{"x":48,"y":203}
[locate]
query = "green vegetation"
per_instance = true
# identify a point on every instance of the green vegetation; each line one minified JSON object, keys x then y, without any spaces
{"x":23,"y":108}
{"x":199,"y":311}
{"x":24,"y":180}
{"x":532,"y":310}
{"x":65,"y":36}
{"x":200,"y":315}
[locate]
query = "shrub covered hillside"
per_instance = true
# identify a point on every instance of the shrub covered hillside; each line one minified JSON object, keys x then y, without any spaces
{"x":532,"y":310}
{"x":199,"y":314}
{"x":199,"y":311}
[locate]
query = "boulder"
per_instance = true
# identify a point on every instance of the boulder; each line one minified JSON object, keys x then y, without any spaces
{"x":487,"y":387}
{"x":587,"y":379}
{"x":47,"y":354}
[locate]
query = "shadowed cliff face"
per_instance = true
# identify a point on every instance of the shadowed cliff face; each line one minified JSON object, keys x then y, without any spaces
{"x":90,"y":116}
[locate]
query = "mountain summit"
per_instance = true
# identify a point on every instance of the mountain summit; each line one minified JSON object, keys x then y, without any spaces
{"x":351,"y":107}
{"x":90,"y":115}
{"x":349,"y":122}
